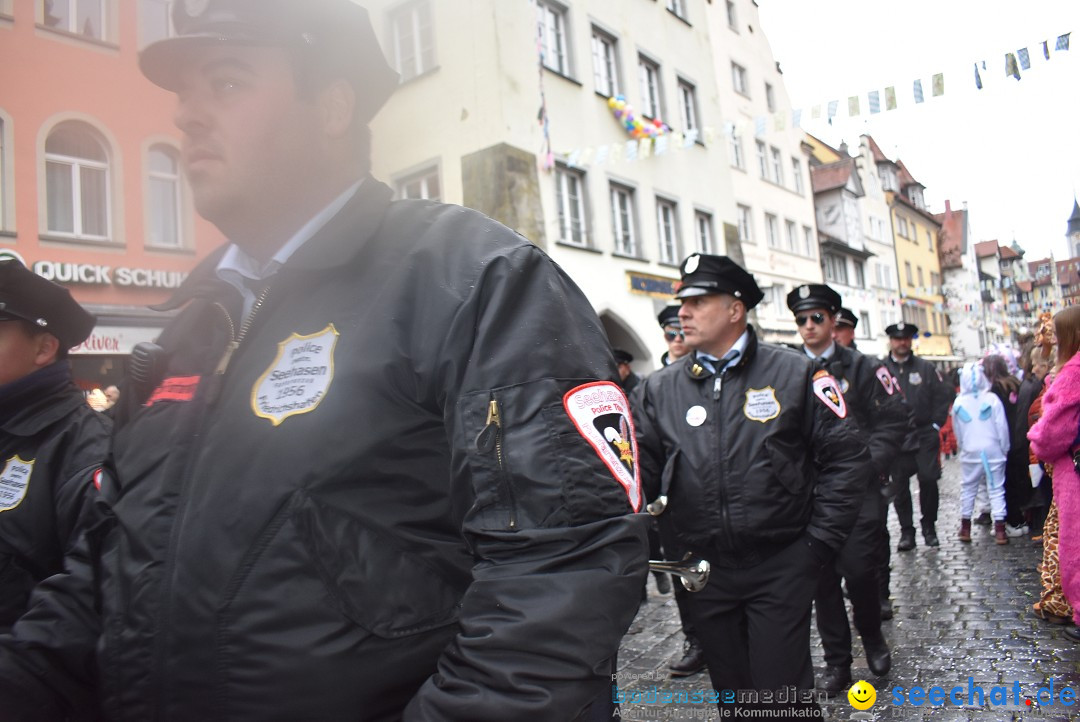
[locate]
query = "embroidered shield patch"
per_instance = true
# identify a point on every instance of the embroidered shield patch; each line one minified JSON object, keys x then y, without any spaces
{"x":886,"y":380}
{"x":761,"y":404}
{"x":828,"y":390}
{"x":298,"y":379}
{"x":14,"y":481}
{"x":915,"y":378}
{"x":601,"y":414}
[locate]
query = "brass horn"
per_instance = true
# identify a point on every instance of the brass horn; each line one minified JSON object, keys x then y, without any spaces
{"x":693,"y":573}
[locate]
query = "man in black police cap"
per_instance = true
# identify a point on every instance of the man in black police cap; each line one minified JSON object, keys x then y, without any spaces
{"x":363,"y":476}
{"x":762,"y":471}
{"x":844,"y":333}
{"x":51,"y":442}
{"x":673,"y":335}
{"x":628,"y":380}
{"x":879,"y":409}
{"x":929,"y":399}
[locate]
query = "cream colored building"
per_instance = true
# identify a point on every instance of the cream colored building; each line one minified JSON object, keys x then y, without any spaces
{"x":468,"y":123}
{"x":769,"y":164}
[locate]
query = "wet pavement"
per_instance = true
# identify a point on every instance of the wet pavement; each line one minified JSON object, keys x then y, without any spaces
{"x":962,"y":611}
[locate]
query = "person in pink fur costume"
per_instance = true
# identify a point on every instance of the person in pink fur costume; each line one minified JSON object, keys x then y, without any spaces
{"x":1053,"y":440}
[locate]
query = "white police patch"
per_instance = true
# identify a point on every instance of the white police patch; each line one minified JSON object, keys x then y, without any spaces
{"x":915,"y":378}
{"x":804,"y":292}
{"x":601,"y":414}
{"x":692,"y":263}
{"x":298,"y":379}
{"x":828,"y":390}
{"x":886,"y":380}
{"x":696,"y":415}
{"x":761,"y":404}
{"x":14,"y":481}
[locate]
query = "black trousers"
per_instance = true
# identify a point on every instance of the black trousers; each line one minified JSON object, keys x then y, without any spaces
{"x":857,"y":563}
{"x":928,"y":470}
{"x":1017,"y":488}
{"x":754,"y":624}
{"x":674,"y":551}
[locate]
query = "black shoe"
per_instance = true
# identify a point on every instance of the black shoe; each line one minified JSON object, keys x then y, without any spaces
{"x":886,"y":609}
{"x":984,"y":519}
{"x":835,"y":679}
{"x":692,"y":662}
{"x":1072,"y":634}
{"x":930,"y":535}
{"x":663,"y":583}
{"x":907,"y":540}
{"x":878,"y":658}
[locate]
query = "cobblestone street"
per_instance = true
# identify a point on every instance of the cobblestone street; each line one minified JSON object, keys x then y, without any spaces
{"x":962,"y":610}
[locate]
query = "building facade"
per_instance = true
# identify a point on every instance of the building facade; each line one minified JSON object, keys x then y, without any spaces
{"x":618,"y":210}
{"x":91,"y":194}
{"x":769,"y":165}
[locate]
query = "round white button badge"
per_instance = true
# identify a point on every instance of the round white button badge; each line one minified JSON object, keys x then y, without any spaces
{"x":696,"y":415}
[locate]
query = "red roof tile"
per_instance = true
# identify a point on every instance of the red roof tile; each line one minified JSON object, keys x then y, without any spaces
{"x":832,"y":176}
{"x":986,"y":249}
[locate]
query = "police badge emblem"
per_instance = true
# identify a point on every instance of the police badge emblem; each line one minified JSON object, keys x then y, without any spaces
{"x":297,"y":380}
{"x":601,"y":414}
{"x":761,"y":404}
{"x":915,"y":378}
{"x":886,"y":380}
{"x":14,"y":481}
{"x":828,"y":391}
{"x":692,"y":263}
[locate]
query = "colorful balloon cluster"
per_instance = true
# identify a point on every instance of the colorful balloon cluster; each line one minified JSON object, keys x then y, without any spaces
{"x":637,"y":127}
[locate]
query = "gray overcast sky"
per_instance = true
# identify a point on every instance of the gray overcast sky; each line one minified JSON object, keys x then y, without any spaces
{"x":1011,"y":150}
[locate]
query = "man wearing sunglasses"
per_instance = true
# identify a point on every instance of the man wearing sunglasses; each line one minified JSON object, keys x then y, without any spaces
{"x":882,"y":417}
{"x":763,"y":473}
{"x":930,"y":399}
{"x":844,"y":333}
{"x":673,"y":335}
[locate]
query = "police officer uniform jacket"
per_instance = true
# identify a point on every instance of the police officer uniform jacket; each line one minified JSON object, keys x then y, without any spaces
{"x":372,"y":491}
{"x":750,"y":459}
{"x":927,"y":394}
{"x":51,"y":446}
{"x":874,"y":400}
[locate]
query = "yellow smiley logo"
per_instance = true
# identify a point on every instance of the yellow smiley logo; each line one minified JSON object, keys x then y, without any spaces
{"x":862,"y":695}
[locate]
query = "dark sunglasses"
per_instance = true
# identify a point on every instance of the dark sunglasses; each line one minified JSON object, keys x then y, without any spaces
{"x":818,"y":319}
{"x":672,"y":335}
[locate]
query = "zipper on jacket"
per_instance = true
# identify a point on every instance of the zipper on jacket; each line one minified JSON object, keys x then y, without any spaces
{"x":725,"y":514}
{"x":234,"y":343}
{"x":490,"y":439}
{"x":212,"y":392}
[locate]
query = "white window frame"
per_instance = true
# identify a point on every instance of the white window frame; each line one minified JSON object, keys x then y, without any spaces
{"x":570,"y":196}
{"x":422,"y":181}
{"x":732,"y":16}
{"x":413,"y":52}
{"x":763,"y":159}
{"x":76,"y":166}
{"x":677,"y":8}
{"x":791,"y":229}
{"x":810,"y":242}
{"x":864,"y":325}
{"x":797,"y":176}
{"x":737,"y":159}
{"x":834,"y":269}
{"x":770,"y":98}
{"x":650,"y":88}
{"x":703,"y":229}
{"x":605,"y":52}
{"x":667,"y":230}
{"x":739,"y":80}
{"x":553,"y":22}
{"x":623,"y":220}
{"x":908,"y":274}
{"x":688,"y":105}
{"x":901,"y":227}
{"x":772,"y":231}
{"x":777,"y":165}
{"x":860,"y":273}
{"x":175,"y":182}
{"x":745,"y":223}
{"x":73,"y":19}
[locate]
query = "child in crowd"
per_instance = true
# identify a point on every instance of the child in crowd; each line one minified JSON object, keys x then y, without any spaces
{"x":983,"y":437}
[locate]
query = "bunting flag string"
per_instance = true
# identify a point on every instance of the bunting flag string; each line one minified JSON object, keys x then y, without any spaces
{"x":654,"y":138}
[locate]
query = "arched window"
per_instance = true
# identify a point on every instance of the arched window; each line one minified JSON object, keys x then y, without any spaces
{"x":163,"y":222}
{"x":77,"y":183}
